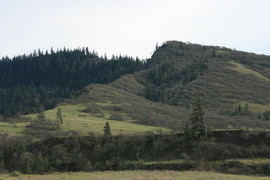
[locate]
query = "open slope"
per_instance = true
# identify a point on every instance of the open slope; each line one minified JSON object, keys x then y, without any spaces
{"x":77,"y":120}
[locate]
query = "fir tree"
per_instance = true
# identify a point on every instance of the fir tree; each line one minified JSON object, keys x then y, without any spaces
{"x":107,"y":130}
{"x":197,"y":120}
{"x":59,"y":117}
{"x":41,"y":117}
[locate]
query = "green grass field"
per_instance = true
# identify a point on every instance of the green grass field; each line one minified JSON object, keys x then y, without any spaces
{"x":242,"y":69}
{"x":11,"y":129}
{"x":255,"y":107}
{"x":77,"y":120}
{"x":137,"y":175}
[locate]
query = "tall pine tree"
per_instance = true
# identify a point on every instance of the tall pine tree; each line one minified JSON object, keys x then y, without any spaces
{"x":197,"y":120}
{"x":59,"y":117}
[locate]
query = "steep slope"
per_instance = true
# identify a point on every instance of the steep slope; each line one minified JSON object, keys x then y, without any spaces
{"x":230,"y":77}
{"x":224,"y":78}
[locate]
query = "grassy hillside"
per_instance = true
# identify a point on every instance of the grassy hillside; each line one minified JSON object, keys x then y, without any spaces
{"x":79,"y":121}
{"x":223,"y":78}
{"x":231,"y":77}
{"x":139,"y":175}
{"x":126,"y":105}
{"x":75,"y":119}
{"x":244,"y":70}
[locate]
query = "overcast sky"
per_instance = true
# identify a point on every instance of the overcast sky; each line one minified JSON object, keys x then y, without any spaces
{"x":132,"y":27}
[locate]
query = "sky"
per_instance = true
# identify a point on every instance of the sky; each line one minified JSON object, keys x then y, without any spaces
{"x":132,"y":27}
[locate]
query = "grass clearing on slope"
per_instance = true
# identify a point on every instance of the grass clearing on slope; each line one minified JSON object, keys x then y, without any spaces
{"x":16,"y":129}
{"x":254,"y":107}
{"x":139,"y":109}
{"x":242,"y":69}
{"x":138,"y":175}
{"x":77,"y":120}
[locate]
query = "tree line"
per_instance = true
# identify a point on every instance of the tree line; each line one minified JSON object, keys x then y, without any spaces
{"x":39,"y":80}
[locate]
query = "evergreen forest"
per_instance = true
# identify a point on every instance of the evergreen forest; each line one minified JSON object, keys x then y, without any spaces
{"x":32,"y":83}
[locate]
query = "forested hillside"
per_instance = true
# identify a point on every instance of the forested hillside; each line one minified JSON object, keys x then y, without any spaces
{"x":31,"y":83}
{"x":222,"y":77}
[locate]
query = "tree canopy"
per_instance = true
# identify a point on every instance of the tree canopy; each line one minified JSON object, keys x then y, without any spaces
{"x":28,"y":82}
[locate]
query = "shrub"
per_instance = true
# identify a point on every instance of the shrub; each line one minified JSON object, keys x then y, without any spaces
{"x":116,"y":116}
{"x":15,"y":173}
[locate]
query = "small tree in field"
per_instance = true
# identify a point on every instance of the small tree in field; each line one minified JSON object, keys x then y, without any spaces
{"x":59,"y":117}
{"x":197,"y":120}
{"x":41,"y":116}
{"x":107,"y":130}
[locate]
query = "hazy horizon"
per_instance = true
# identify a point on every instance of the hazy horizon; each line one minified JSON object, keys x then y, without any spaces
{"x":132,"y":27}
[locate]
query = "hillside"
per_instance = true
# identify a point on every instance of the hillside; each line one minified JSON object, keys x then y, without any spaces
{"x":122,"y":105}
{"x":222,"y":77}
{"x":226,"y":76}
{"x":157,"y":92}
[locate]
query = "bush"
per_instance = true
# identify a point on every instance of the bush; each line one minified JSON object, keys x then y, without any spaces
{"x":15,"y":173}
{"x":116,"y":116}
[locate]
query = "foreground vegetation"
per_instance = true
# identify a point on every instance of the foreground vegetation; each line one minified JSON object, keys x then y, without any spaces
{"x":237,"y":152}
{"x":138,"y":175}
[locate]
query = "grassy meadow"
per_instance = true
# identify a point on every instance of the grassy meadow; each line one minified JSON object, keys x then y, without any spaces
{"x":75,"y":119}
{"x":12,"y":129}
{"x":244,"y":70}
{"x":255,"y":107}
{"x":136,"y":175}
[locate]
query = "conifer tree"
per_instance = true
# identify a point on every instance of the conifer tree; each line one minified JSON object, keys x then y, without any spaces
{"x":59,"y":117}
{"x":41,"y":117}
{"x":41,"y":163}
{"x":107,"y":130}
{"x":197,"y":120}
